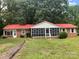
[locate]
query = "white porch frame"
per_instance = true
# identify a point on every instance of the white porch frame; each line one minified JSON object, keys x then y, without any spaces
{"x":31,"y":31}
{"x":45,"y":33}
{"x":3,"y":32}
{"x":48,"y":33}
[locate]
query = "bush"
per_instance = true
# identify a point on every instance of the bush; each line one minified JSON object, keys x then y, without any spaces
{"x":63,"y":35}
{"x":4,"y":37}
{"x":77,"y":34}
{"x":22,"y":36}
{"x":28,"y":35}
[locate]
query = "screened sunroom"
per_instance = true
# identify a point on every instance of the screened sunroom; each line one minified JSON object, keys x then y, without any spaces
{"x":45,"y":29}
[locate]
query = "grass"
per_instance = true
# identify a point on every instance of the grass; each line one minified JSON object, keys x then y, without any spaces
{"x":50,"y":49}
{"x":5,"y":44}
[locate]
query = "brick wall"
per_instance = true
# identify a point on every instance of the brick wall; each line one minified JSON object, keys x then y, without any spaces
{"x":72,"y":34}
{"x":18,"y":33}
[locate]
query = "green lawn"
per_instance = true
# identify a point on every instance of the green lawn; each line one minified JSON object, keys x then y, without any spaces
{"x":50,"y":49}
{"x":5,"y":44}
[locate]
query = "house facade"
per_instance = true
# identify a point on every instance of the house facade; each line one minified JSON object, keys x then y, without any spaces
{"x":16,"y":30}
{"x":43,"y":29}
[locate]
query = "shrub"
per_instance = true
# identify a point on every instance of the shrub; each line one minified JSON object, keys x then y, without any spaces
{"x":63,"y":35}
{"x":4,"y":37}
{"x":77,"y":34}
{"x":22,"y":36}
{"x":28,"y":35}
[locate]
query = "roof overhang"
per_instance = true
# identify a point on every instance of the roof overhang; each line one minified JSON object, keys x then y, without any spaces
{"x":45,"y":24}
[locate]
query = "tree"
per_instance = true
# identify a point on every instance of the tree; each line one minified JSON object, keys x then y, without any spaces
{"x":34,"y":11}
{"x":11,"y":11}
{"x":74,"y":15}
{"x":2,"y":6}
{"x":53,"y":11}
{"x":38,"y":10}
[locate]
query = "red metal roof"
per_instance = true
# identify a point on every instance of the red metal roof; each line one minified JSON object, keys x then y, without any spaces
{"x":18,"y":26}
{"x":27,"y":26}
{"x":66,"y":25}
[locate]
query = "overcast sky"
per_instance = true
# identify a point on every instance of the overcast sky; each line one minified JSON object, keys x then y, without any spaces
{"x":74,"y":2}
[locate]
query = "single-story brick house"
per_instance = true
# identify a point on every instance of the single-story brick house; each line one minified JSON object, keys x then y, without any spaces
{"x":43,"y":29}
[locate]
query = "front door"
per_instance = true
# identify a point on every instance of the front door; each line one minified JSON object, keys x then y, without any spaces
{"x":28,"y":33}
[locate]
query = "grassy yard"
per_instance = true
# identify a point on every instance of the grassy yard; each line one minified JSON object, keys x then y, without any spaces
{"x":50,"y":49}
{"x":5,"y":44}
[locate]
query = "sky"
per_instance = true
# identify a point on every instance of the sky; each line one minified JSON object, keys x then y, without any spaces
{"x":73,"y":2}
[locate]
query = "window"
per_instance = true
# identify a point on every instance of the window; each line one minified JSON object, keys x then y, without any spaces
{"x":14,"y":32}
{"x":8,"y":33}
{"x":41,"y":31}
{"x":63,"y":30}
{"x":23,"y":32}
{"x":72,"y":30}
{"x":54,"y":31}
{"x":47,"y":30}
{"x":38,"y":32}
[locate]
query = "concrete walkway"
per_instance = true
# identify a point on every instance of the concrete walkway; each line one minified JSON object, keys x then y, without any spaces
{"x":11,"y":52}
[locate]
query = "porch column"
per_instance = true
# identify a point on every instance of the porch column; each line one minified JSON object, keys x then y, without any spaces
{"x":12,"y":33}
{"x":49,"y":33}
{"x":4,"y":33}
{"x":31,"y":32}
{"x":45,"y":32}
{"x":70,"y":30}
{"x":75,"y":31}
